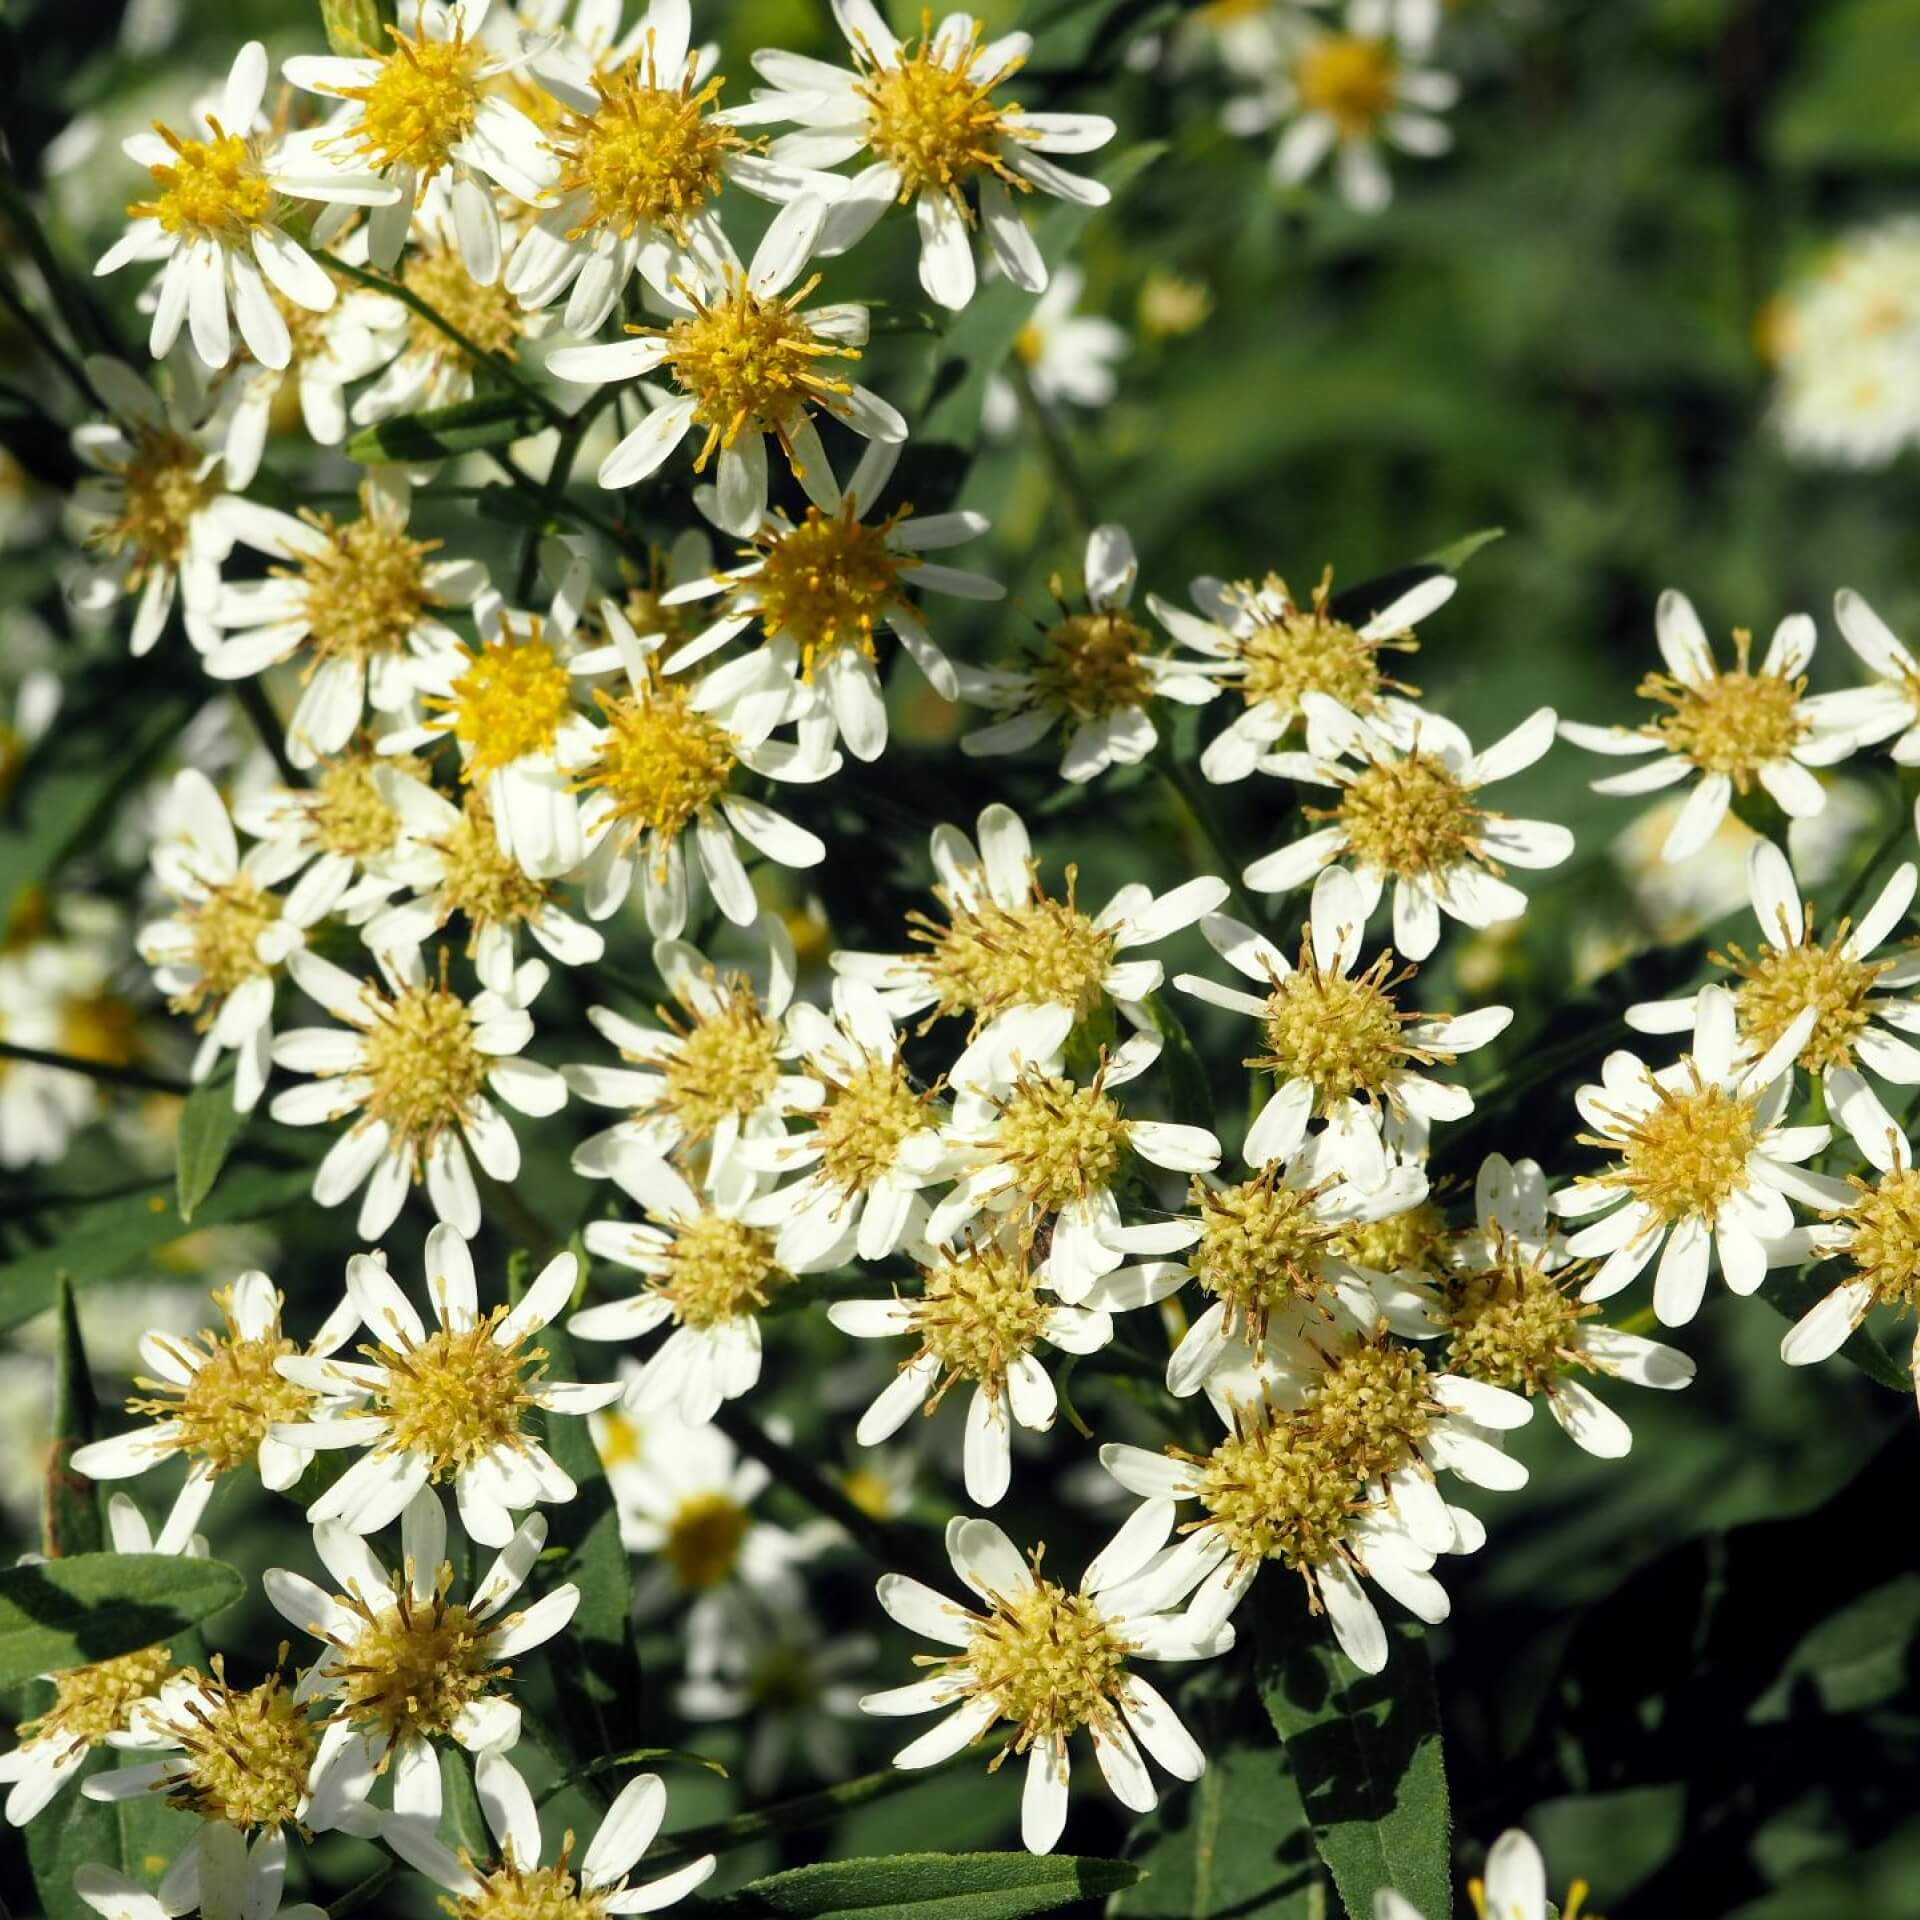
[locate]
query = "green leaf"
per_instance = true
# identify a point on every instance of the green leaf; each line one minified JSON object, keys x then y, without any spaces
{"x":56,"y":1614}
{"x":1451,"y":558}
{"x":73,"y":1833}
{"x":1233,"y":1846}
{"x":489,"y":420}
{"x":111,"y":1235}
{"x":71,"y":1520}
{"x":209,"y":1129}
{"x":461,"y":1821}
{"x":1848,"y":102}
{"x":1365,"y":1750}
{"x":932,"y":1886}
{"x":1794,"y":1291}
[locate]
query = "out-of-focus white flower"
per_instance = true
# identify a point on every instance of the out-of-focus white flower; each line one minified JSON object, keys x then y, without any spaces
{"x":1068,"y":357}
{"x":218,"y":1878}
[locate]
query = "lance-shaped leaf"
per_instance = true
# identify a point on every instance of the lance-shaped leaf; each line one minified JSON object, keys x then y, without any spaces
{"x":70,"y":1516}
{"x":56,"y":1614}
{"x":489,"y":420}
{"x":209,"y":1129}
{"x":931,"y":1886}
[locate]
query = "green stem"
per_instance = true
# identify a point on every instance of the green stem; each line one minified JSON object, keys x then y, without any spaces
{"x":112,"y":1073}
{"x":361,"y":1892}
{"x":1894,"y":835}
{"x":1199,"y":806}
{"x":1075,"y":493}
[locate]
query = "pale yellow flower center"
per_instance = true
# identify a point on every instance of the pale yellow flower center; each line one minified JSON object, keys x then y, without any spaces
{"x":365,"y":591}
{"x":827,"y":580}
{"x":864,"y":1123}
{"x":1886,"y":1237}
{"x":1261,"y":1247}
{"x":1513,"y":1325}
{"x":934,"y":123}
{"x":488,"y":316}
{"x":719,"y":1269}
{"x":978,"y":1313}
{"x":426,"y":1073}
{"x":1738,"y":722}
{"x":247,"y":1753}
{"x":1342,"y":1033}
{"x":704,"y":1539}
{"x":1051,"y":1661}
{"x":1288,"y":650}
{"x":1062,"y":1141}
{"x":226,"y":928}
{"x":91,"y":1702}
{"x":661,"y":763}
{"x":412,"y":1667}
{"x":350,"y":816}
{"x":458,"y":1395}
{"x":163,"y":492}
{"x":530,"y":1893}
{"x":1093,"y":664}
{"x":488,"y":886}
{"x":1687,"y":1157}
{"x":1351,"y":78}
{"x":1779,"y":982}
{"x":728,"y":1062}
{"x":1408,"y":814}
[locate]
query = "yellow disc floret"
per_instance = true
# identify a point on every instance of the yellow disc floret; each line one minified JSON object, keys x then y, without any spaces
{"x":1342,"y":1033}
{"x":515,"y":1892}
{"x":487,"y":316}
{"x":420,"y":105}
{"x":457,"y":1396}
{"x":479,"y":880}
{"x":1262,"y":1245}
{"x":247,"y":1753}
{"x":1780,"y":982}
{"x":226,"y":927}
{"x":1052,"y":1662}
{"x":1063,"y":1142}
{"x":166,"y":483}
{"x":932,"y":119}
{"x":93,"y":1701}
{"x":1687,"y":1156}
{"x":347,"y":812}
{"x":508,"y":704}
{"x":1094,"y":663}
{"x":1736,"y":722}
{"x":1283,"y":649}
{"x":704,"y":1538}
{"x":213,"y":189}
{"x":660,"y":762}
{"x":1351,"y":78}
{"x":826,"y":581}
{"x":365,"y":590}
{"x":867,"y":1118}
{"x":727,"y":1063}
{"x":980,"y":1311}
{"x":1512,"y":1324}
{"x":424,"y":1070}
{"x":1409,"y":814}
{"x":1885,"y":1249}
{"x":718,"y":1269}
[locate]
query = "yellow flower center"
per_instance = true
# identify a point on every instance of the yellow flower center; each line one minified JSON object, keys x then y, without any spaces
{"x":233,"y":1394}
{"x":873,"y":1493}
{"x":619,"y":1439}
{"x":728,"y":1061}
{"x":1051,"y":1660}
{"x":1092,"y":664}
{"x":98,"y":1027}
{"x":365,"y":590}
{"x":226,"y":929}
{"x":213,"y":189}
{"x":1274,"y":1489}
{"x":420,"y":105}
{"x":481,"y":881}
{"x":660,"y":763}
{"x":1779,"y":982}
{"x":867,"y":1117}
{"x":1063,"y":1142}
{"x":1340,"y":1032}
{"x":1410,"y":815}
{"x":1886,"y":1237}
{"x":979,"y":1312}
{"x":748,"y":362}
{"x":987,"y":957}
{"x":1289,"y":650}
{"x":719,"y":1269}
{"x":248,"y":1754}
{"x":91,"y":1702}
{"x":1261,"y":1247}
{"x":457,"y":1396}
{"x":827,"y":580}
{"x":1736,"y":723}
{"x":163,"y":491}
{"x":1688,"y":1156}
{"x":1408,"y":1242}
{"x":1351,"y":78}
{"x":1512,"y":1325}
{"x":704,"y":1539}
{"x":425,"y":1071}
{"x":350,"y":816}
{"x":411,"y":1667}
{"x":509,"y":703}
{"x":530,"y":1893}
{"x":928,"y":118}
{"x":1029,"y":344}
{"x":490,"y":317}
{"x":1372,"y":1405}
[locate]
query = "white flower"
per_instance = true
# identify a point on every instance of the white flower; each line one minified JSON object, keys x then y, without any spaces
{"x":1067,"y":357}
{"x":402,"y":1664}
{"x":708,"y":1084}
{"x":1270,"y":651}
{"x":1349,"y":90}
{"x":747,"y":359}
{"x":218,"y":1877}
{"x":154,"y":513}
{"x":93,"y":1702}
{"x":414,"y":1062}
{"x":1337,"y":1041}
{"x":446,"y":1405}
{"x":1891,"y":705}
{"x":1006,"y":945}
{"x":1841,"y":982}
{"x":1050,"y":1660}
{"x":626,"y":1831}
{"x":927,"y":117}
{"x":1515,"y":1887}
{"x":818,"y":588}
{"x":1409,"y":784}
{"x":218,"y":221}
{"x":1705,"y":1163}
{"x":425,"y":108}
{"x":1093,"y":675}
{"x":1733,"y":728}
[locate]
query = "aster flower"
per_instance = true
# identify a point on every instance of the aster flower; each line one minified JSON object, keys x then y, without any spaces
{"x":1515,"y":1887}
{"x":1337,"y":1041}
{"x":1891,"y":704}
{"x":1094,"y":675}
{"x":1734,"y":728}
{"x":712,"y":1075}
{"x":155,"y":513}
{"x":643,"y":609}
{"x":818,"y":588}
{"x":218,"y":221}
{"x":745,"y":355}
{"x":926,"y":116}
{"x":517,"y":1881}
{"x":446,"y":1405}
{"x":403,"y":1665}
{"x":359,"y":602}
{"x":1270,"y":651}
{"x":218,"y":1877}
{"x":414,"y":1061}
{"x":1409,"y":785}
{"x":1005,"y":944}
{"x":424,"y":109}
{"x":1068,"y":357}
{"x":1704,"y":1164}
{"x":1051,"y":1661}
{"x":1857,"y":1024}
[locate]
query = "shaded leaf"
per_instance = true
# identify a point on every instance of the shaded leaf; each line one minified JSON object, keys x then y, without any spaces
{"x":71,"y":1517}
{"x":69,"y":1613}
{"x":209,"y":1129}
{"x":489,"y":420}
{"x":951,"y":1886}
{"x":1794,"y":1291}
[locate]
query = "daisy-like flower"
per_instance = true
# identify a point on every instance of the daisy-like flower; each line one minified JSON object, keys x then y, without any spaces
{"x":746,"y":357}
{"x":818,"y":589}
{"x":1031,"y":1146}
{"x":1876,"y":1230}
{"x":1705,"y":1165}
{"x":218,"y":1877}
{"x":218,"y":220}
{"x":713,"y":1074}
{"x":218,"y":956}
{"x":93,"y":1702}
{"x":403,"y":1664}
{"x":154,"y":513}
{"x":1068,"y":357}
{"x":1049,"y":1660}
{"x":926,"y":116}
{"x":518,"y":1884}
{"x":982,"y":1311}
{"x":1857,"y":1023}
{"x":1269,"y":651}
{"x":425,"y":109}
{"x":1351,"y":91}
{"x":1337,"y":1040}
{"x":1510,"y":1313}
{"x":414,"y":1062}
{"x":1409,"y":785}
{"x":1735,"y":728}
{"x":446,"y":1405}
{"x":359,"y":602}
{"x":1093,"y":674}
{"x":1515,"y":1887}
{"x":216,"y":1399}
{"x":869,"y":1146}
{"x":643,"y":154}
{"x":1891,"y":705}
{"x":657,"y":627}
{"x":1005,"y":944}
